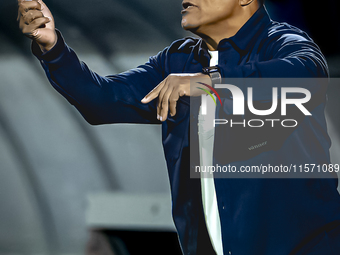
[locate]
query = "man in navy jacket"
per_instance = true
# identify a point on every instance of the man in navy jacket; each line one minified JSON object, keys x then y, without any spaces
{"x":257,"y":216}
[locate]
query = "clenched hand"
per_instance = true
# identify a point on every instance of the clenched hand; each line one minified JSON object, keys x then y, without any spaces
{"x":36,"y":22}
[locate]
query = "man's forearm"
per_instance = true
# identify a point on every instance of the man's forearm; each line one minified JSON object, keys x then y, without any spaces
{"x":101,"y":100}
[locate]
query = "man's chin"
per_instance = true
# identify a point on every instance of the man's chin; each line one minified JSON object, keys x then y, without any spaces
{"x":188,"y":26}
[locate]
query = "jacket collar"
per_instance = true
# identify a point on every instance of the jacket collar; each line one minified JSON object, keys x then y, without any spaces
{"x":245,"y":37}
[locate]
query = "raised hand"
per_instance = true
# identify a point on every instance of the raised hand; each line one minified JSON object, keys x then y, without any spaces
{"x":37,"y":23}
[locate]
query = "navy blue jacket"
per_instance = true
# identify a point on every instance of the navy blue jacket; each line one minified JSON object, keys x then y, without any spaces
{"x":258,"y":216}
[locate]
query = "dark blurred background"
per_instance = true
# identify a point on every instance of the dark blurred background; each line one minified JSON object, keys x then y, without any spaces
{"x":68,"y":188}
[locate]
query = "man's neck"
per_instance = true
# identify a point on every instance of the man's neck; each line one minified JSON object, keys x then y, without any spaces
{"x":214,"y":33}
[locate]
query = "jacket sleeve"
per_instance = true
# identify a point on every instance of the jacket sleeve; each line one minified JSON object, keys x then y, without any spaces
{"x":102,"y":99}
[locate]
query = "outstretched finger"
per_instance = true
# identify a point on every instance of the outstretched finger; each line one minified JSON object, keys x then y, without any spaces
{"x":153,"y":93}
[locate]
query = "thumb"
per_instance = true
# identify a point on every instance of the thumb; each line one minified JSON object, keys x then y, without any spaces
{"x":47,"y":13}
